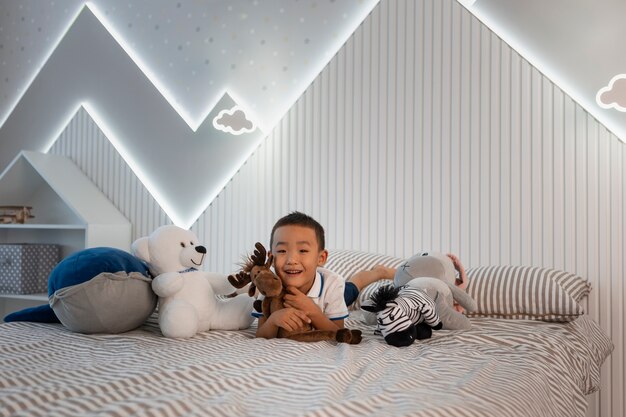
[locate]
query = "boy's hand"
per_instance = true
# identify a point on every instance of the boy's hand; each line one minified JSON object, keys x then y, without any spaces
{"x":289,"y":319}
{"x":298,"y":300}
{"x":461,"y":280}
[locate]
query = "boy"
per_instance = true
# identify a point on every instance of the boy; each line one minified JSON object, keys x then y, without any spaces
{"x":314,"y":295}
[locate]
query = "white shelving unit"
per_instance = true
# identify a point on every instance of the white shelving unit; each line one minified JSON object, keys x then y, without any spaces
{"x":69,"y":211}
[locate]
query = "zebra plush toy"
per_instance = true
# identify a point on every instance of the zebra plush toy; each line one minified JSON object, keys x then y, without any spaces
{"x":403,"y":314}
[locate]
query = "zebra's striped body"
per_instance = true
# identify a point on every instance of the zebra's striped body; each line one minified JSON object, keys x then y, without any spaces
{"x":403,"y":314}
{"x":412,"y":307}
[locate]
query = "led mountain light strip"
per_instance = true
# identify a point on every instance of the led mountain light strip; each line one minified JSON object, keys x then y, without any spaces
{"x":587,"y":104}
{"x":169,"y":96}
{"x":62,"y":127}
{"x":135,"y":167}
{"x":108,"y":127}
{"x":308,"y":78}
{"x":48,"y":55}
{"x":138,"y":171}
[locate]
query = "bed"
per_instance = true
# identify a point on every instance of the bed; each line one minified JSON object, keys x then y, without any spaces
{"x":500,"y":367}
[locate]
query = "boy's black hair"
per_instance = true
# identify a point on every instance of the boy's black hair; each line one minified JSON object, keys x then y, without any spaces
{"x":300,"y":219}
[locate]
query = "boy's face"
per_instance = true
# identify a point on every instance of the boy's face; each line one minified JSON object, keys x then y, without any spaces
{"x":297,"y":256}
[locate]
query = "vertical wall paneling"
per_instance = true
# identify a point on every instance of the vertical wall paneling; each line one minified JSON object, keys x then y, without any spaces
{"x":396,"y":159}
{"x":444,"y":159}
{"x":503,"y":137}
{"x":409,"y":106}
{"x":425,"y":131}
{"x":547,"y":164}
{"x":495,"y":141}
{"x":462,"y":209}
{"x":558,"y":180}
{"x":536,"y":173}
{"x":484,"y":125}
{"x":454,"y":224}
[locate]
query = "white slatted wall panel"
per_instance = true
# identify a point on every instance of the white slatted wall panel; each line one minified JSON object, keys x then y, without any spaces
{"x":425,"y":131}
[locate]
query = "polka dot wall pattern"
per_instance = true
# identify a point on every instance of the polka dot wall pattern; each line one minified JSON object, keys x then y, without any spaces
{"x":261,"y":51}
{"x":24,"y":268}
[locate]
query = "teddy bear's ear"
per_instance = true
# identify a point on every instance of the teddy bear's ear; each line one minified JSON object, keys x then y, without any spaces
{"x":139,"y":248}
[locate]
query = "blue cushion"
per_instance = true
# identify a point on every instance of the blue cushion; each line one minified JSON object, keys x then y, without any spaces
{"x":76,"y":269}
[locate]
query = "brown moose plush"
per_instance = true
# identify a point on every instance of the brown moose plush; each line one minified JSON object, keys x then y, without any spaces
{"x":256,"y":272}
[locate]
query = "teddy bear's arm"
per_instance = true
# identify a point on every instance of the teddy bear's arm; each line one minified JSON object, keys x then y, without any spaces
{"x":219,"y":283}
{"x":167,"y":284}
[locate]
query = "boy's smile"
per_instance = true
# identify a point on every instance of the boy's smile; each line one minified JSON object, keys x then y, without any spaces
{"x":297,"y":256}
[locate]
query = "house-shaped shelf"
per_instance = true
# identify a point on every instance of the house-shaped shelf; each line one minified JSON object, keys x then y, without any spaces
{"x":69,"y":209}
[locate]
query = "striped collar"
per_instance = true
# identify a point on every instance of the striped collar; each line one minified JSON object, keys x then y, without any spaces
{"x":317,"y":287}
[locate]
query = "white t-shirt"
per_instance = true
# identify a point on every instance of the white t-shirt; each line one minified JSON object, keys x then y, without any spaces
{"x":327,"y":294}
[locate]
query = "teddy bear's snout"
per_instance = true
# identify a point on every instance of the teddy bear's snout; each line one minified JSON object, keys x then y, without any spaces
{"x":200,"y":249}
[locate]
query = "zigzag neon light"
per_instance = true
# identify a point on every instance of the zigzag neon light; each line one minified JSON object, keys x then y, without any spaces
{"x":136,"y":168}
{"x":553,"y":75}
{"x":127,"y":157}
{"x":192,"y":122}
{"x":108,"y":128}
{"x":169,"y":96}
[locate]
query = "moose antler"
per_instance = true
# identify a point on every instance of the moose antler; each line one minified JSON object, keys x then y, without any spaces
{"x":259,"y":260}
{"x":240,"y":280}
{"x":259,"y":256}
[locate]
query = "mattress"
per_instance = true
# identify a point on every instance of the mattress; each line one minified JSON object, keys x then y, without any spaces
{"x":498,"y":368}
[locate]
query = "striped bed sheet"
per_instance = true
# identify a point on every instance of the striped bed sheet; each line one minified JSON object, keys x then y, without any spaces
{"x":498,"y":368}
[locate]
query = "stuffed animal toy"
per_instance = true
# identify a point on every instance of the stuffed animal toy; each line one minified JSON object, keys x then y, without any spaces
{"x":436,"y":276}
{"x":426,"y":264}
{"x":96,"y":290}
{"x":187,"y":295}
{"x":444,"y":296}
{"x":404,"y":314}
{"x":258,"y":274}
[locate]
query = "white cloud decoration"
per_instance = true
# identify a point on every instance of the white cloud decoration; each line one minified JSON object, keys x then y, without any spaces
{"x":233,"y":121}
{"x":613,"y":96}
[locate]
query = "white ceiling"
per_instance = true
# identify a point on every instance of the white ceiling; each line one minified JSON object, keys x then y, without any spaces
{"x":579,"y":44}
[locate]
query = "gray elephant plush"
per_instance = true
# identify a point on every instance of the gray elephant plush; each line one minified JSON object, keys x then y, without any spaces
{"x":435,"y":274}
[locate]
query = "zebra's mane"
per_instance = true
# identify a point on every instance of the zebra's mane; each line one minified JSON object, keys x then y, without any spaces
{"x":383,"y":295}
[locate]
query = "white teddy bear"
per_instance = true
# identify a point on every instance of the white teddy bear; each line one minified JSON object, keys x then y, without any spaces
{"x":187,"y":301}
